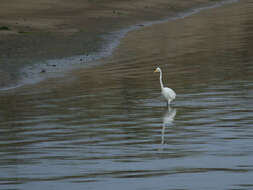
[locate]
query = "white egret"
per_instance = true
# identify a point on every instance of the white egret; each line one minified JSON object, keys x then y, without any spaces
{"x":167,"y":93}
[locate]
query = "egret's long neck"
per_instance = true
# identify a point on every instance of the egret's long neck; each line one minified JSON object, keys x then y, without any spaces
{"x":161,"y":81}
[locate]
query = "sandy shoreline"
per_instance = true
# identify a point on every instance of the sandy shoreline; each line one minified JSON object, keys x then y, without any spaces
{"x":42,"y":30}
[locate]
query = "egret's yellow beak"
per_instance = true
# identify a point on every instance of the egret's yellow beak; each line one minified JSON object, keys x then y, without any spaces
{"x":156,"y":70}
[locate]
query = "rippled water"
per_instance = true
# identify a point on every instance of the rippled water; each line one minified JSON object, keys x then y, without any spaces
{"x":107,"y":127}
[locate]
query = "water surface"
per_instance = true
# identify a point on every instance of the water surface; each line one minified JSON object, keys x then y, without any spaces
{"x":107,"y":127}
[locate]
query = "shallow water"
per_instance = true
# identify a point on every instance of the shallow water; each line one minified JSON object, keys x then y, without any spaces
{"x":107,"y":127}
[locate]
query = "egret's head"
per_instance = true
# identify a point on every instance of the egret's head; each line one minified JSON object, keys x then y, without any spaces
{"x":157,"y":70}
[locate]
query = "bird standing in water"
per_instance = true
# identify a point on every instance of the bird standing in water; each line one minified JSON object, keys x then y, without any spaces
{"x":167,"y":93}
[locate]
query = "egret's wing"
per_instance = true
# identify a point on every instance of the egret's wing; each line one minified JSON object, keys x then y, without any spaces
{"x":169,"y":92}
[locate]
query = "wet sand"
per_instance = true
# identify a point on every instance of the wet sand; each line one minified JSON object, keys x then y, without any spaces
{"x":42,"y":30}
{"x":67,"y":17}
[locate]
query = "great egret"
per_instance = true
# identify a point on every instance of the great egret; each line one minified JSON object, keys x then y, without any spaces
{"x":167,"y":93}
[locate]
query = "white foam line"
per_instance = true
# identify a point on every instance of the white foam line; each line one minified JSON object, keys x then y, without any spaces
{"x":57,"y":67}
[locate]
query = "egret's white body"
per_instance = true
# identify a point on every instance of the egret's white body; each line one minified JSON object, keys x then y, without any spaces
{"x":167,"y":93}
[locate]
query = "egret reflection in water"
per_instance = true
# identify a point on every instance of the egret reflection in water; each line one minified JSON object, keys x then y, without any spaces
{"x":168,"y":119}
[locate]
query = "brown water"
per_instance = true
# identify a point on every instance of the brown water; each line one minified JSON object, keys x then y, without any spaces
{"x":107,"y":127}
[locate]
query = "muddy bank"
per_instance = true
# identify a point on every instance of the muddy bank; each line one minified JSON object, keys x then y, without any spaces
{"x":33,"y":32}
